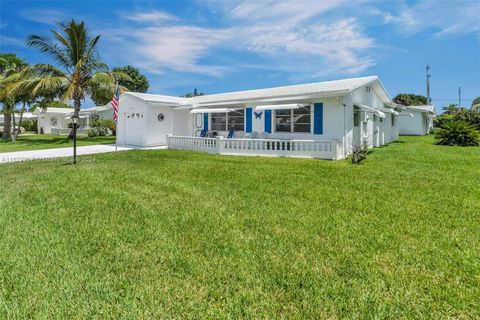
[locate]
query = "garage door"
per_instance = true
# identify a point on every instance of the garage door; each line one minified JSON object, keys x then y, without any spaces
{"x":134,"y":128}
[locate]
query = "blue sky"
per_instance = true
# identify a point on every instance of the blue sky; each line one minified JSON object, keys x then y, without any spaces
{"x":219,"y":46}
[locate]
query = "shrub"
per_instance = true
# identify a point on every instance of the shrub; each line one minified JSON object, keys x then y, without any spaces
{"x":29,"y":125}
{"x":457,"y":133}
{"x":94,"y":132}
{"x":105,"y":123}
{"x":359,"y":152}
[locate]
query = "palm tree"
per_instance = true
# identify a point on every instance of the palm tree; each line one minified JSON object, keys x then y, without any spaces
{"x":79,"y":71}
{"x":10,"y":65}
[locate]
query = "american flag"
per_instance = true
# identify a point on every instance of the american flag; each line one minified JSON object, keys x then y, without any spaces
{"x":115,"y":103}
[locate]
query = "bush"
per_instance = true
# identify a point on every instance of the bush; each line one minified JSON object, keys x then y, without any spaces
{"x":29,"y":125}
{"x":457,"y":133}
{"x":94,"y":132}
{"x":359,"y":152}
{"x":99,"y":132}
{"x":105,"y":123}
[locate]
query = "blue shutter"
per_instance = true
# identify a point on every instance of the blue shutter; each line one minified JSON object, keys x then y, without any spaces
{"x":205,"y":121}
{"x":268,"y":121}
{"x":318,"y":118}
{"x":248,"y":117}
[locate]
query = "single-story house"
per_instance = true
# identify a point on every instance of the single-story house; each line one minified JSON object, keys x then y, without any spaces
{"x":315,"y":120}
{"x":416,"y":120}
{"x":25,"y":116}
{"x":57,"y":120}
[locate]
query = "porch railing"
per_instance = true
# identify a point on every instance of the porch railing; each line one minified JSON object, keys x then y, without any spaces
{"x":322,"y":149}
{"x":66,"y":131}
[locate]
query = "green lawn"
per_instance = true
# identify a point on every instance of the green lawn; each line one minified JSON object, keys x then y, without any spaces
{"x":47,"y":141}
{"x":172,"y":234}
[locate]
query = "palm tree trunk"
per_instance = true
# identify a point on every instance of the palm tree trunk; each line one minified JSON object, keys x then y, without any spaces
{"x":7,"y":121}
{"x":17,"y":131}
{"x":14,"y":126}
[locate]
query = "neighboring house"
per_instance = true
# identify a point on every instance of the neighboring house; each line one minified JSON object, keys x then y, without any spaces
{"x":416,"y":120}
{"x":53,"y":118}
{"x":57,"y":120}
{"x":26,"y":116}
{"x":96,"y":113}
{"x":317,"y":120}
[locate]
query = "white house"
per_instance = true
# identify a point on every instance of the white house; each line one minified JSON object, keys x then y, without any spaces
{"x":316,"y":120}
{"x":52,"y":118}
{"x":57,"y":120}
{"x":416,"y":120}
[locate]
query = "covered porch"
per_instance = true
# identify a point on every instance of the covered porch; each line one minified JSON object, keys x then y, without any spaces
{"x":319,"y":149}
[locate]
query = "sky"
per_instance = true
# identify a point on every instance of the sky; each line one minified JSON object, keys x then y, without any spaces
{"x":220,"y":46}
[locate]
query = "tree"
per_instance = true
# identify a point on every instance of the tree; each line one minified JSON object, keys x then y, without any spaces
{"x":409,"y":99}
{"x":10,"y":65}
{"x":80,"y":68}
{"x":194,"y":93}
{"x":102,"y":95}
{"x":476,"y":101}
{"x":450,"y":109}
{"x":137,"y":83}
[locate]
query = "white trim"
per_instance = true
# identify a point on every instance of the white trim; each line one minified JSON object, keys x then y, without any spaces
{"x":370,"y":109}
{"x":278,"y":107}
{"x":214,"y":110}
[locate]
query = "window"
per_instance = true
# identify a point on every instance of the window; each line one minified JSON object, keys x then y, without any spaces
{"x":356,"y":116}
{"x":393,"y":120}
{"x":231,"y":120}
{"x":293,"y":120}
{"x":374,"y":117}
{"x":53,"y":122}
{"x":236,"y":120}
{"x":219,"y":121}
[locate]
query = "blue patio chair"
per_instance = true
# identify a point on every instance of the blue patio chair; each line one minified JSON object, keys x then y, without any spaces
{"x":231,"y":132}
{"x":203,"y":133}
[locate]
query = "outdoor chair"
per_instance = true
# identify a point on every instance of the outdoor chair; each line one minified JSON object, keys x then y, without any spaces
{"x":212,"y":134}
{"x":203,"y":133}
{"x":230,"y":134}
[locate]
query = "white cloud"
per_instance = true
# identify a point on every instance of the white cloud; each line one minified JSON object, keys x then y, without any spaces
{"x":284,"y":32}
{"x":46,"y":16}
{"x":449,"y":18}
{"x":150,"y":16}
{"x":6,"y":40}
{"x":178,"y":48}
{"x":283,"y":11}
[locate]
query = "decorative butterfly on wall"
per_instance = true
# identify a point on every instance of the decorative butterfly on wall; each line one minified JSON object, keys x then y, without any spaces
{"x":258,"y":115}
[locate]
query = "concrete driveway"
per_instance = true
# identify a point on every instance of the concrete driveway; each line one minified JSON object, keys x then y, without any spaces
{"x":18,"y":156}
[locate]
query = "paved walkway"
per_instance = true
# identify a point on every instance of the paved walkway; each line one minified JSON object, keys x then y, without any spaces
{"x":18,"y":156}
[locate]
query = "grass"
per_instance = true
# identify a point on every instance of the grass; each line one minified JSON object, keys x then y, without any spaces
{"x":172,"y":234}
{"x":47,"y":141}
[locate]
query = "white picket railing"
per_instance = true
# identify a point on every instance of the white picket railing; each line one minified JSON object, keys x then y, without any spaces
{"x":66,"y":131}
{"x":322,"y":149}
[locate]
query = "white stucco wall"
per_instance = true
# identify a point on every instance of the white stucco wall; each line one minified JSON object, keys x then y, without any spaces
{"x":416,"y":126}
{"x":157,"y":131}
{"x":131,"y":131}
{"x":44,"y":121}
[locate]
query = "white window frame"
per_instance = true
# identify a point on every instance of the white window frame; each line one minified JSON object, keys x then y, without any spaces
{"x":210,"y":122}
{"x":292,"y":124}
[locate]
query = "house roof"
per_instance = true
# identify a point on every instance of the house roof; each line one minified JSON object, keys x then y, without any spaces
{"x":320,"y":89}
{"x":158,"y":98}
{"x":425,"y":108}
{"x":284,"y":93}
{"x":53,"y":111}
{"x":106,"y":107}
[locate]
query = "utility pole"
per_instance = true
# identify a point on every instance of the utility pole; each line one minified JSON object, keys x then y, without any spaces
{"x":427,"y":71}
{"x":459,"y":96}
